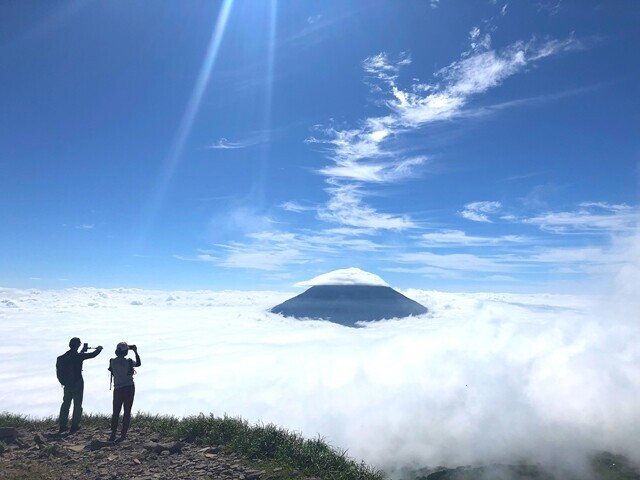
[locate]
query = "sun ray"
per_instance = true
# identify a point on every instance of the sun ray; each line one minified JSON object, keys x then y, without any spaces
{"x":271,"y":45}
{"x":173,"y":157}
{"x":258,"y":189}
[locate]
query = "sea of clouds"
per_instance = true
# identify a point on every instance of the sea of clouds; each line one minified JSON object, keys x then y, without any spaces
{"x":481,"y":378}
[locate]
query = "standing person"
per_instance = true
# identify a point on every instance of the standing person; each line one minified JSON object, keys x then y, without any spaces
{"x":123,"y":387}
{"x":69,"y":372}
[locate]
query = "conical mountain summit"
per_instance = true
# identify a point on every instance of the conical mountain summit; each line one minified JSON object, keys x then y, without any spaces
{"x":348,"y":296}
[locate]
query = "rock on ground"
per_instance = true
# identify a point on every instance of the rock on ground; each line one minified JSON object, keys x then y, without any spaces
{"x":86,"y":454}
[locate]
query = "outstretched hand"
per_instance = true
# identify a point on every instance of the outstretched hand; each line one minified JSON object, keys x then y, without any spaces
{"x":99,"y":347}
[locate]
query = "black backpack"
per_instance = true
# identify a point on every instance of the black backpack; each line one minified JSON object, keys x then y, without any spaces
{"x":64,"y":369}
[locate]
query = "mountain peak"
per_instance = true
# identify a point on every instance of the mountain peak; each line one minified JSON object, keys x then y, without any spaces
{"x":345,"y":276}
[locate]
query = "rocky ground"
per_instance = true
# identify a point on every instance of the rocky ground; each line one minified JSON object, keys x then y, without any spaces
{"x":31,"y":454}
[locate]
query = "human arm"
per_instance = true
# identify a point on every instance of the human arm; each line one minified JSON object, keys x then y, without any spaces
{"x":135,"y":350}
{"x":93,"y":354}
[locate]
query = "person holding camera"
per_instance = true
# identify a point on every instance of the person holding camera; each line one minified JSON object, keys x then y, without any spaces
{"x":122,"y":372}
{"x":69,"y":372}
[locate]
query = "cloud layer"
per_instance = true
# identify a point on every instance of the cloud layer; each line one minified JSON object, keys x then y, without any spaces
{"x":481,"y":378}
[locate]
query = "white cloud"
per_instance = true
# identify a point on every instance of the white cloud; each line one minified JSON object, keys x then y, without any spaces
{"x":476,"y":72}
{"x":85,"y":226}
{"x":275,"y":250}
{"x":250,"y":141}
{"x":345,"y":276}
{"x":365,"y":155}
{"x":533,"y":259}
{"x":554,"y":47}
{"x":478,"y":41}
{"x":457,"y":261}
{"x":349,"y":231}
{"x":552,"y":7}
{"x":349,"y":146}
{"x":592,"y":217}
{"x":387,"y":172}
{"x":580,"y":255}
{"x":450,"y":238}
{"x":274,"y":259}
{"x":346,"y":208}
{"x":555,"y":376}
{"x":428,"y":271}
{"x":240,"y":219}
{"x":382,"y":68}
{"x":295,"y":207}
{"x":479,"y":211}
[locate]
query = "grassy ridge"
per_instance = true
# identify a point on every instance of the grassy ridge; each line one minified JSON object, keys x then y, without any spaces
{"x":311,"y":457}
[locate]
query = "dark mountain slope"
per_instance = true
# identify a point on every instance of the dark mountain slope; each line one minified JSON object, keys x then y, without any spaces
{"x":348,"y":304}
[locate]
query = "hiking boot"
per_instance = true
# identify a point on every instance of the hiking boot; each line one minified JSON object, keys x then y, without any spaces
{"x":74,"y":429}
{"x":122,"y":438}
{"x":112,"y":437}
{"x":63,"y":429}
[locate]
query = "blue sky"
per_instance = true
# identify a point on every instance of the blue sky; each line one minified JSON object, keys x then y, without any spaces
{"x":450,"y":145}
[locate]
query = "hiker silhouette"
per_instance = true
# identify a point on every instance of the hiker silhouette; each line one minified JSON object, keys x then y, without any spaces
{"x":69,"y":372}
{"x":122,"y":372}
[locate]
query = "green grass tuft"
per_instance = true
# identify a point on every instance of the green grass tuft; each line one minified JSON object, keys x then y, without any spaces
{"x":260,"y":442}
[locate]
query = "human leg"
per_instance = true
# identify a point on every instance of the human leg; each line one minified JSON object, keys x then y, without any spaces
{"x":118,"y":399}
{"x":78,"y":393}
{"x":63,"y":418}
{"x":129,"y":394}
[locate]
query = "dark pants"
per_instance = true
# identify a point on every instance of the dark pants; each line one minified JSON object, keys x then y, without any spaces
{"x":122,"y":396}
{"x":72,"y":392}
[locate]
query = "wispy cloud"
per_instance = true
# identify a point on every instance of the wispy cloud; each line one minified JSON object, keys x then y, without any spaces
{"x":552,"y":7}
{"x":273,"y":259}
{"x":85,"y":226}
{"x":346,"y":208}
{"x":589,"y":218}
{"x":296,"y":207}
{"x":458,"y":238}
{"x":368,"y":154}
{"x":275,"y":250}
{"x":479,"y":70}
{"x":250,"y":141}
{"x":479,"y":211}
{"x":367,"y":157}
{"x":530,"y":262}
{"x":457,"y":261}
{"x":529,"y":256}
